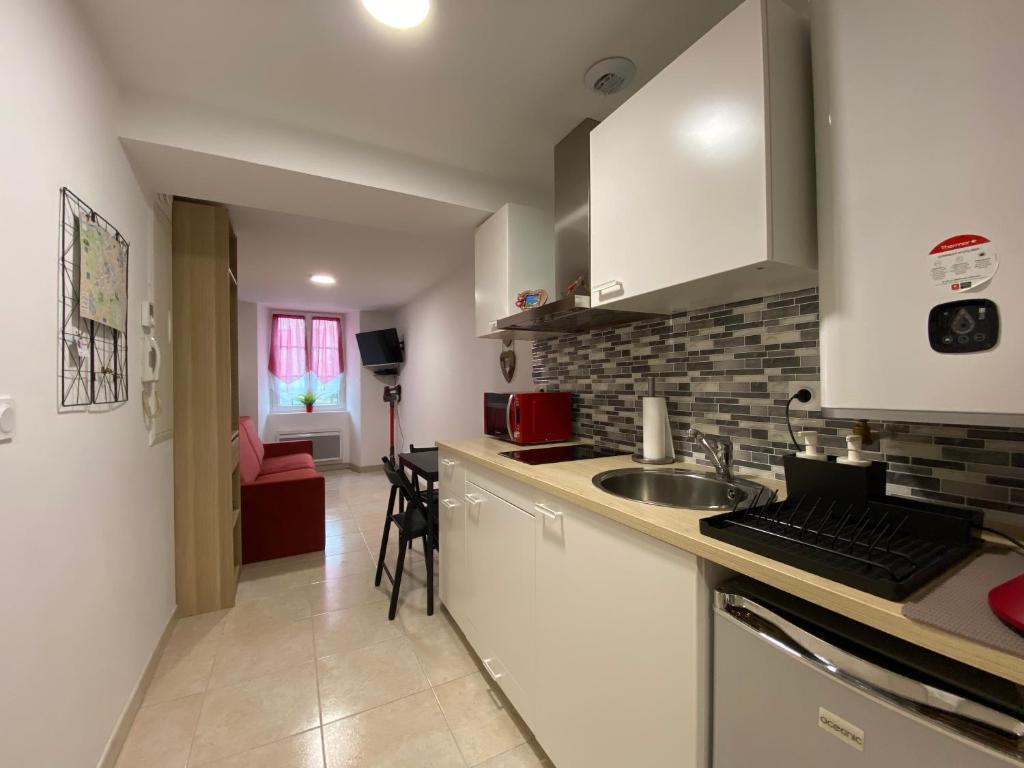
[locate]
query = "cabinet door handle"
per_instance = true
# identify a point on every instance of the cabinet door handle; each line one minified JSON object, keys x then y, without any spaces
{"x":508,"y":417}
{"x":607,"y":286}
{"x":449,"y":462}
{"x":548,"y":512}
{"x":494,"y":675}
{"x":450,"y":503}
{"x":473,"y":499}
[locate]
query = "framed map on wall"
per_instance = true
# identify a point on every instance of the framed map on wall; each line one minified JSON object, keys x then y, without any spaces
{"x":92,"y":308}
{"x":103,"y":288}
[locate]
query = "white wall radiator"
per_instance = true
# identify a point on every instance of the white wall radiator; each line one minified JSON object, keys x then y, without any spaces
{"x":326,"y":444}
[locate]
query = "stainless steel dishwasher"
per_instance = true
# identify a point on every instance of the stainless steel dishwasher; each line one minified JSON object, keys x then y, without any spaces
{"x":801,"y":687}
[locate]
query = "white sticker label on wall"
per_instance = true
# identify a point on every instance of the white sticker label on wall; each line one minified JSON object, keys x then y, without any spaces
{"x":962,"y":263}
{"x":846,"y":732}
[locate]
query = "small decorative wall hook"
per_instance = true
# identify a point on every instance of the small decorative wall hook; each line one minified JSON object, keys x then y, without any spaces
{"x":507,"y":360}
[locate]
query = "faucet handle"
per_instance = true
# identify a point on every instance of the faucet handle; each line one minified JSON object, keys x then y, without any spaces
{"x":696,"y":434}
{"x":718,"y":448}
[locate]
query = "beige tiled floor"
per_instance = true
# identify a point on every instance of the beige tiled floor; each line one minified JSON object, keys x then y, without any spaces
{"x":306,"y":671}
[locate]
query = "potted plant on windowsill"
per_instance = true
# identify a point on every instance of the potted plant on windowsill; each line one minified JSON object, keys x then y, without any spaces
{"x":307,"y":400}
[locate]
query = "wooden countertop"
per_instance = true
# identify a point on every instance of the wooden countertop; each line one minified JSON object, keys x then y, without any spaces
{"x":572,"y":481}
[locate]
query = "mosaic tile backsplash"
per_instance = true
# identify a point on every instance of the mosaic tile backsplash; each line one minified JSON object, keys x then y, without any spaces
{"x":730,"y":369}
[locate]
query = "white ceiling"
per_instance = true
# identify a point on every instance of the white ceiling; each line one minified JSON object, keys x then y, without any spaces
{"x":484,"y":85}
{"x":375,"y":268}
{"x":187,"y":173}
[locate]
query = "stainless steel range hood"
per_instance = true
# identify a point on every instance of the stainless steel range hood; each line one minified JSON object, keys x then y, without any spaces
{"x":571,"y":314}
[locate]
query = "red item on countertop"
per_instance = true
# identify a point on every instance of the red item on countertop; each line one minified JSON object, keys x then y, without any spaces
{"x":1007,"y":602}
{"x":526,"y":418}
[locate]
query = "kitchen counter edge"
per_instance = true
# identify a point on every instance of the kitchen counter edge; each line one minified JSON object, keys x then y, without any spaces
{"x":572,"y":482}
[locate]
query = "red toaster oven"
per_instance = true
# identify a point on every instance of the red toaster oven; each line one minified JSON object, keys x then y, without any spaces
{"x":528,"y":417}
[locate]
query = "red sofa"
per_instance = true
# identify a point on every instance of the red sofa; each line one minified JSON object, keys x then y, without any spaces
{"x":282,"y":497}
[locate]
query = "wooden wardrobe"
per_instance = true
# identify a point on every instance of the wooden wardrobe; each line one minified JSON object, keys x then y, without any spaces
{"x":207,"y":506}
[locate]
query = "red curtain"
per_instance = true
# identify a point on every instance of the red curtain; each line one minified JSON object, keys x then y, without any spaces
{"x":288,"y":347}
{"x":326,"y":361}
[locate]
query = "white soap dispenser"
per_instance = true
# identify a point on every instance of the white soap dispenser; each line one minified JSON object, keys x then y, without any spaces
{"x":853,"y":455}
{"x":811,"y":448}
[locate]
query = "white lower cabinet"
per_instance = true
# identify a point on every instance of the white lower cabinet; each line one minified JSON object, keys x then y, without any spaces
{"x":500,"y":556}
{"x":622,"y":644}
{"x":598,"y":634}
{"x":451,"y":508}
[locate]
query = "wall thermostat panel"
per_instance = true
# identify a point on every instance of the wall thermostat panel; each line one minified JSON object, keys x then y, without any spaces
{"x":968,"y":325}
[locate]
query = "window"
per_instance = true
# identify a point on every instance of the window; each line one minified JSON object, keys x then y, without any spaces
{"x":305,"y":356}
{"x":325,"y":360}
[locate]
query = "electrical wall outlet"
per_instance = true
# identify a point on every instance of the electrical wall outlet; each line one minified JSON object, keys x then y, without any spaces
{"x":814,"y":404}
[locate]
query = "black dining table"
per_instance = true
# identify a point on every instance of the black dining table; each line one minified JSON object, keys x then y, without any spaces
{"x":421,"y":464}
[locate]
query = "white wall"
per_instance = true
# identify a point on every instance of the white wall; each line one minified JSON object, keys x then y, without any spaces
{"x":159,"y":286}
{"x":353,"y":384}
{"x":148,"y":122}
{"x":447,"y":368}
{"x":262,"y":361}
{"x":373,"y":433}
{"x":86,"y":530}
{"x":248,"y":361}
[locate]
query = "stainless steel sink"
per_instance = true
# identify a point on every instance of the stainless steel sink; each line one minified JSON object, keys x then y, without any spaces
{"x":678,"y":488}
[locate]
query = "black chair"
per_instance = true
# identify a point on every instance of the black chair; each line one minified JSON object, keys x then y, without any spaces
{"x":415,"y":518}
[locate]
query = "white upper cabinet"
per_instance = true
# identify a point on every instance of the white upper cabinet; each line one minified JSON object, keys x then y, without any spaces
{"x":515,"y":251}
{"x":702,"y":183}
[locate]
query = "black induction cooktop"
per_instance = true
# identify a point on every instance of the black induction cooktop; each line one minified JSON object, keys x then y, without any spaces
{"x":555,"y":453}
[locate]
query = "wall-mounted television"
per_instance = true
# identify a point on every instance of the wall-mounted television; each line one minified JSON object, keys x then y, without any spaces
{"x":380,"y":350}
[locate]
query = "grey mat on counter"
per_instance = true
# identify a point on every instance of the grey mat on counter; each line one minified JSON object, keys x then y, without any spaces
{"x":959,"y":603}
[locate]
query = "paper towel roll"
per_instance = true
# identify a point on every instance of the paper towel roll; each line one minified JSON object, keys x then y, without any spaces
{"x":656,"y":428}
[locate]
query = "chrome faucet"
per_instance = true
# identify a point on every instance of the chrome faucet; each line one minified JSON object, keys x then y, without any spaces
{"x":718,"y":449}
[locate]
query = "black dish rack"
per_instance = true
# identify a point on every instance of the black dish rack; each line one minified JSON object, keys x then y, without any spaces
{"x":888,"y":547}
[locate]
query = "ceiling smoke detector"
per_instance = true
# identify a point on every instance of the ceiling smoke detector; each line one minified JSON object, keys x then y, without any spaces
{"x":610,"y":75}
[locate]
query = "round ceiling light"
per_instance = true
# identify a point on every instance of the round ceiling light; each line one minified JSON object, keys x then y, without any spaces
{"x":401,"y":14}
{"x":322,"y":279}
